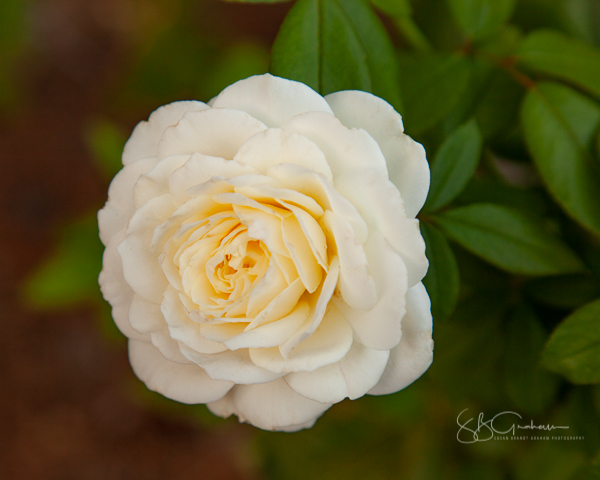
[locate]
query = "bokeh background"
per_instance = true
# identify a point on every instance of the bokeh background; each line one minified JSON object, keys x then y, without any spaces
{"x":75,"y":78}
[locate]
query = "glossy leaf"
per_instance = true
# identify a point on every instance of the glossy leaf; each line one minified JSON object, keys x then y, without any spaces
{"x":574,"y":348}
{"x":454,"y":165}
{"x":529,"y":386}
{"x":509,"y":239}
{"x":480,"y":18}
{"x":565,"y":291}
{"x":559,"y":126}
{"x":431,"y":87}
{"x":557,"y":55}
{"x":442,"y":280}
{"x":334,"y":45}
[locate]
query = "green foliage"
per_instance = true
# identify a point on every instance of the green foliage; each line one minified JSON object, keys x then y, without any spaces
{"x":554,"y":54}
{"x":480,"y":18}
{"x":454,"y":165}
{"x":443,"y":278}
{"x":106,"y":141}
{"x":574,"y":348}
{"x":334,"y":45}
{"x":509,"y":239}
{"x":559,"y":126}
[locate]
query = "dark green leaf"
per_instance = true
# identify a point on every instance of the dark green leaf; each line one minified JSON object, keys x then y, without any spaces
{"x":594,"y":472}
{"x":559,"y":126}
{"x":334,"y":45}
{"x":71,"y":273}
{"x":431,"y":87}
{"x":554,"y":54}
{"x":106,"y":141}
{"x":509,"y":239}
{"x":530,"y":387}
{"x":565,"y":291}
{"x":480,"y":18}
{"x":454,"y":165}
{"x":574,"y":348}
{"x":442,"y":280}
{"x":393,"y":8}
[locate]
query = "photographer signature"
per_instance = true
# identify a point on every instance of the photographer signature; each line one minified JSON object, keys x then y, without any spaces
{"x":485,"y":429}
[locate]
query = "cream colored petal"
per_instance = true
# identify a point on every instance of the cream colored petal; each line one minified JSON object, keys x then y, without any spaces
{"x":145,"y":317}
{"x":275,"y":146}
{"x":380,"y":204}
{"x":140,"y":268}
{"x":271,"y":406}
{"x":269,"y":287}
{"x":146,"y":135}
{"x":412,"y":357}
{"x":264,"y":227}
{"x":319,"y":302}
{"x":168,"y":347}
{"x":217,"y":132}
{"x":271,"y":99}
{"x":344,"y":148}
{"x":120,"y":206}
{"x":352,"y":377}
{"x":221,"y":332}
{"x":200,"y":169}
{"x":380,"y":327}
{"x":328,"y":344}
{"x":271,"y":334}
{"x":182,"y":328}
{"x":317,"y":187}
{"x":356,"y":283}
{"x":156,"y":181}
{"x":116,"y":291}
{"x":271,"y":195}
{"x":407,"y":165}
{"x":230,"y":366}
{"x":280,"y":306}
{"x":183,"y":383}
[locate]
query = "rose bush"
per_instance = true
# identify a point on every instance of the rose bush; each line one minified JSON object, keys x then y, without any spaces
{"x":262,"y":252}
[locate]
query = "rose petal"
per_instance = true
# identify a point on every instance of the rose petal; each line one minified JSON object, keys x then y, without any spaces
{"x":352,"y":377}
{"x":275,"y":146}
{"x":412,"y":357}
{"x":328,"y":344}
{"x":140,"y":268}
{"x":144,"y":139}
{"x":344,"y":148}
{"x":380,"y":204}
{"x":120,"y":206}
{"x":156,"y":181}
{"x":270,"y":406}
{"x":267,"y":193}
{"x":217,"y":132}
{"x":183,"y":383}
{"x":270,"y":99}
{"x":271,"y":334}
{"x":380,"y":327}
{"x":406,"y":162}
{"x":280,"y":306}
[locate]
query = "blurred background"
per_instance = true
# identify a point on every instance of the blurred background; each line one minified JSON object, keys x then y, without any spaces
{"x":75,"y":78}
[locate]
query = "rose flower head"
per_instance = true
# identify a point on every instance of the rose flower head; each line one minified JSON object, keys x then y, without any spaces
{"x":263,"y":255}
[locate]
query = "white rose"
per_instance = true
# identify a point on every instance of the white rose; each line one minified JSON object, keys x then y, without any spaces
{"x":262,"y":252}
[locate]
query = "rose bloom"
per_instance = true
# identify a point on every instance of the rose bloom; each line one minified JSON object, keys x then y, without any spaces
{"x":262,"y":252}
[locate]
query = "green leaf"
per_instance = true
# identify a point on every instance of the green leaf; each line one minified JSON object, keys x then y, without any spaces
{"x":106,"y":142}
{"x":574,"y":348}
{"x":509,"y":239}
{"x":480,"y":18}
{"x":559,"y":125}
{"x":565,"y":291}
{"x":531,"y":388}
{"x":393,"y":8}
{"x":442,"y":280}
{"x":454,"y":165}
{"x":71,"y":273}
{"x":594,"y":472}
{"x":333,"y":45}
{"x":256,"y":1}
{"x":554,"y":54}
{"x":432,"y":86}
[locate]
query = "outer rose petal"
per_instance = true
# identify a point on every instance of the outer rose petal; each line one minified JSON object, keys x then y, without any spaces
{"x":352,"y":377}
{"x":183,"y":383}
{"x":272,"y":100}
{"x":270,"y":406}
{"x":412,"y":357}
{"x":407,"y":165}
{"x":144,"y":139}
